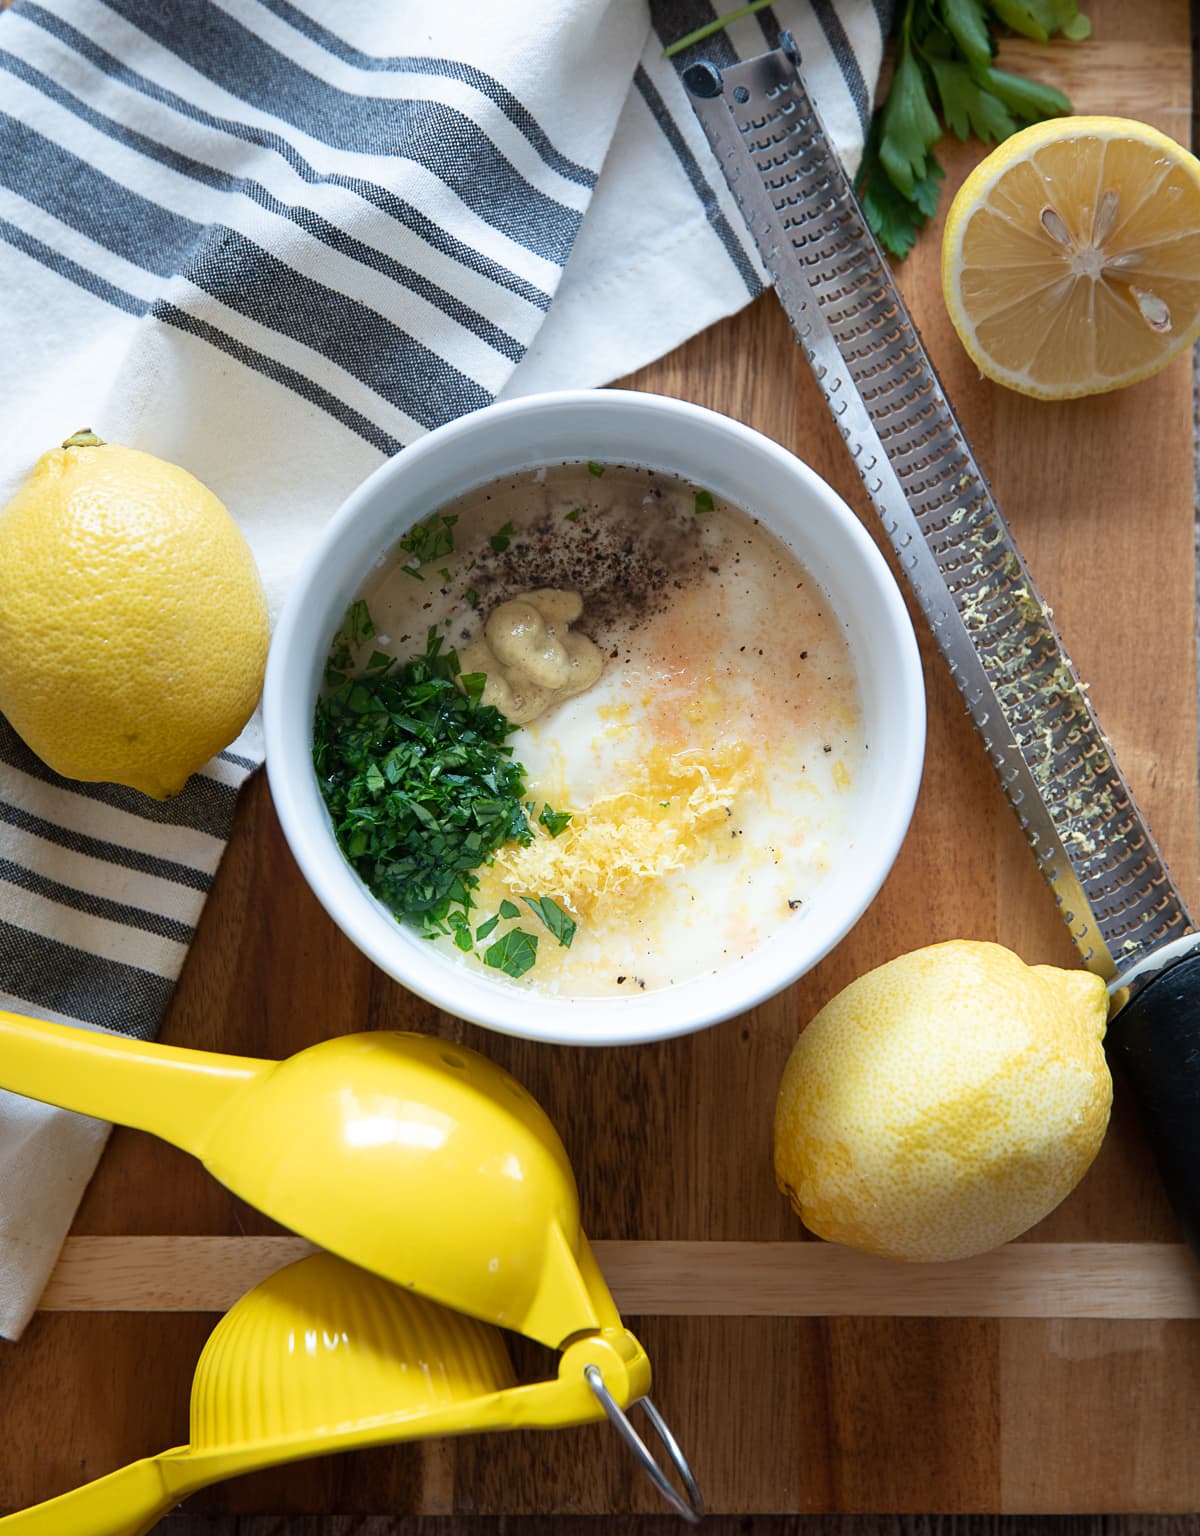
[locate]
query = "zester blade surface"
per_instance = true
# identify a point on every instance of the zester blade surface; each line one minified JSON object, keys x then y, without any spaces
{"x":993,"y":628}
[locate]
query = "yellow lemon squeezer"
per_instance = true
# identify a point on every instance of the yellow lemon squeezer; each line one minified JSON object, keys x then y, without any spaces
{"x":450,"y":1210}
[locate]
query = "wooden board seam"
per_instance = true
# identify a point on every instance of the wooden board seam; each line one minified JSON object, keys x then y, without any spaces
{"x":693,"y":1279}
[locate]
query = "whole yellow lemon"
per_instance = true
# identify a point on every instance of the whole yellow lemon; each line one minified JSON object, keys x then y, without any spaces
{"x":133,"y":627}
{"x":945,"y":1102}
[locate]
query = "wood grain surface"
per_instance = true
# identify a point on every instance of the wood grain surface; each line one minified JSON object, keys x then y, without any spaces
{"x":799,"y":1379}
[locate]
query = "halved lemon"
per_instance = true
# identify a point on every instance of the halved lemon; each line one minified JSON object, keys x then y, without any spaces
{"x":1071,"y":257}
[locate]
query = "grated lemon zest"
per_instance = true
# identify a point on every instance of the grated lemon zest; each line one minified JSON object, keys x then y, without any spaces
{"x":662,"y":821}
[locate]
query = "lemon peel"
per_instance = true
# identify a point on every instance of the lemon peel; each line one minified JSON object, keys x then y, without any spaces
{"x":133,"y":626}
{"x":615,"y":849}
{"x":1071,"y":257}
{"x":945,"y":1102}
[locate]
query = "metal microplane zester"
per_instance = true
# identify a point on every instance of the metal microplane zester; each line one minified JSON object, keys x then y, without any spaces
{"x":1125,"y":914}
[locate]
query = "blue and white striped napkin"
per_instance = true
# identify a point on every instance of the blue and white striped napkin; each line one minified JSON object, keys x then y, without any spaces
{"x":274,"y":241}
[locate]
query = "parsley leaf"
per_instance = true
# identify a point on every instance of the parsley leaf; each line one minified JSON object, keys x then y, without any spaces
{"x":514,"y":953}
{"x":908,"y":127}
{"x":357,"y":627}
{"x":1041,"y":19}
{"x":967,"y":108}
{"x":573,"y":515}
{"x":420,"y":785}
{"x":895,"y":218}
{"x":484,"y":929}
{"x":944,"y":51}
{"x":473,"y":684}
{"x":594,"y":468}
{"x":561,"y":924}
{"x":1026,"y":99}
{"x":509,"y":909}
{"x":554,"y":821}
{"x":967,"y":24}
{"x":500,"y":540}
{"x":428,"y":541}
{"x":704,"y":502}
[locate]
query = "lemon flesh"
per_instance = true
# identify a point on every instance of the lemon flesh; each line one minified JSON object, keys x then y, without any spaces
{"x":942,"y":1104}
{"x":1071,"y":257}
{"x":133,"y":627}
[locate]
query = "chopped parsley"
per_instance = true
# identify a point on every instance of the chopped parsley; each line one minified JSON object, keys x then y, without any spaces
{"x":422,"y":790}
{"x":595,"y":469}
{"x":473,"y":597}
{"x":419,"y":783}
{"x":573,"y":515}
{"x":514,"y":953}
{"x":554,"y":821}
{"x":501,"y":539}
{"x":561,"y":924}
{"x":704,"y":502}
{"x":428,"y":541}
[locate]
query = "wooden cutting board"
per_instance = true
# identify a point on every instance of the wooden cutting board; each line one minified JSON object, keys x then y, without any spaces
{"x":1060,"y":1374}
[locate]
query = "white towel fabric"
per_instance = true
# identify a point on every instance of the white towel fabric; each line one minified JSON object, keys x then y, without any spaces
{"x":274,"y":241}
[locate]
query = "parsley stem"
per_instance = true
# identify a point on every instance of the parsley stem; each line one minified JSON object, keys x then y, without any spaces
{"x":710,"y":28}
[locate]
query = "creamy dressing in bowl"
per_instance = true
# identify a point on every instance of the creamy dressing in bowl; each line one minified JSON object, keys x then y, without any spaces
{"x":863,"y":810}
{"x":710,"y":773}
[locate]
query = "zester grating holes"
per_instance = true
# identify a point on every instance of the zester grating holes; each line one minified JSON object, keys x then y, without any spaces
{"x":968,"y":575}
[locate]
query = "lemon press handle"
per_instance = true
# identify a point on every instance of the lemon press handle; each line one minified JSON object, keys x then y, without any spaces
{"x":171,"y":1092}
{"x":419,"y":1161}
{"x":128,"y":1502}
{"x":380,"y":1366}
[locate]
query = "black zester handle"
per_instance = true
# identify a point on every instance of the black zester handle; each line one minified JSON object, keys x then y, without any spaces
{"x":1154,"y":1042}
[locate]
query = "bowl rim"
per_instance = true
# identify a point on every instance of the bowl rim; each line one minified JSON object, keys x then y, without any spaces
{"x":618,"y":1020}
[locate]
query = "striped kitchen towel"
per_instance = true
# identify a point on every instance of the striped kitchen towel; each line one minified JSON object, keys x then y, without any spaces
{"x":274,"y":241}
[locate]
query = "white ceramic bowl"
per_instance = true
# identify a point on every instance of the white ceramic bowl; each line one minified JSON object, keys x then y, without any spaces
{"x":706,"y":449}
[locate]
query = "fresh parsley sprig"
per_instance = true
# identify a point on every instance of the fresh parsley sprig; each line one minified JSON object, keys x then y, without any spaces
{"x":944,"y":52}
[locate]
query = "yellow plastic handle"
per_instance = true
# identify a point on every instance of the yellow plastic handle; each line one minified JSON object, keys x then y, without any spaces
{"x":125,"y":1503}
{"x":168,"y":1091}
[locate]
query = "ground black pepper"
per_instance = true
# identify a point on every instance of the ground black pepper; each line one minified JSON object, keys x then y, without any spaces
{"x":622,"y":556}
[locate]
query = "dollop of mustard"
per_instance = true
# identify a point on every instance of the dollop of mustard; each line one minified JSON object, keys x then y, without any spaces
{"x":530,"y":656}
